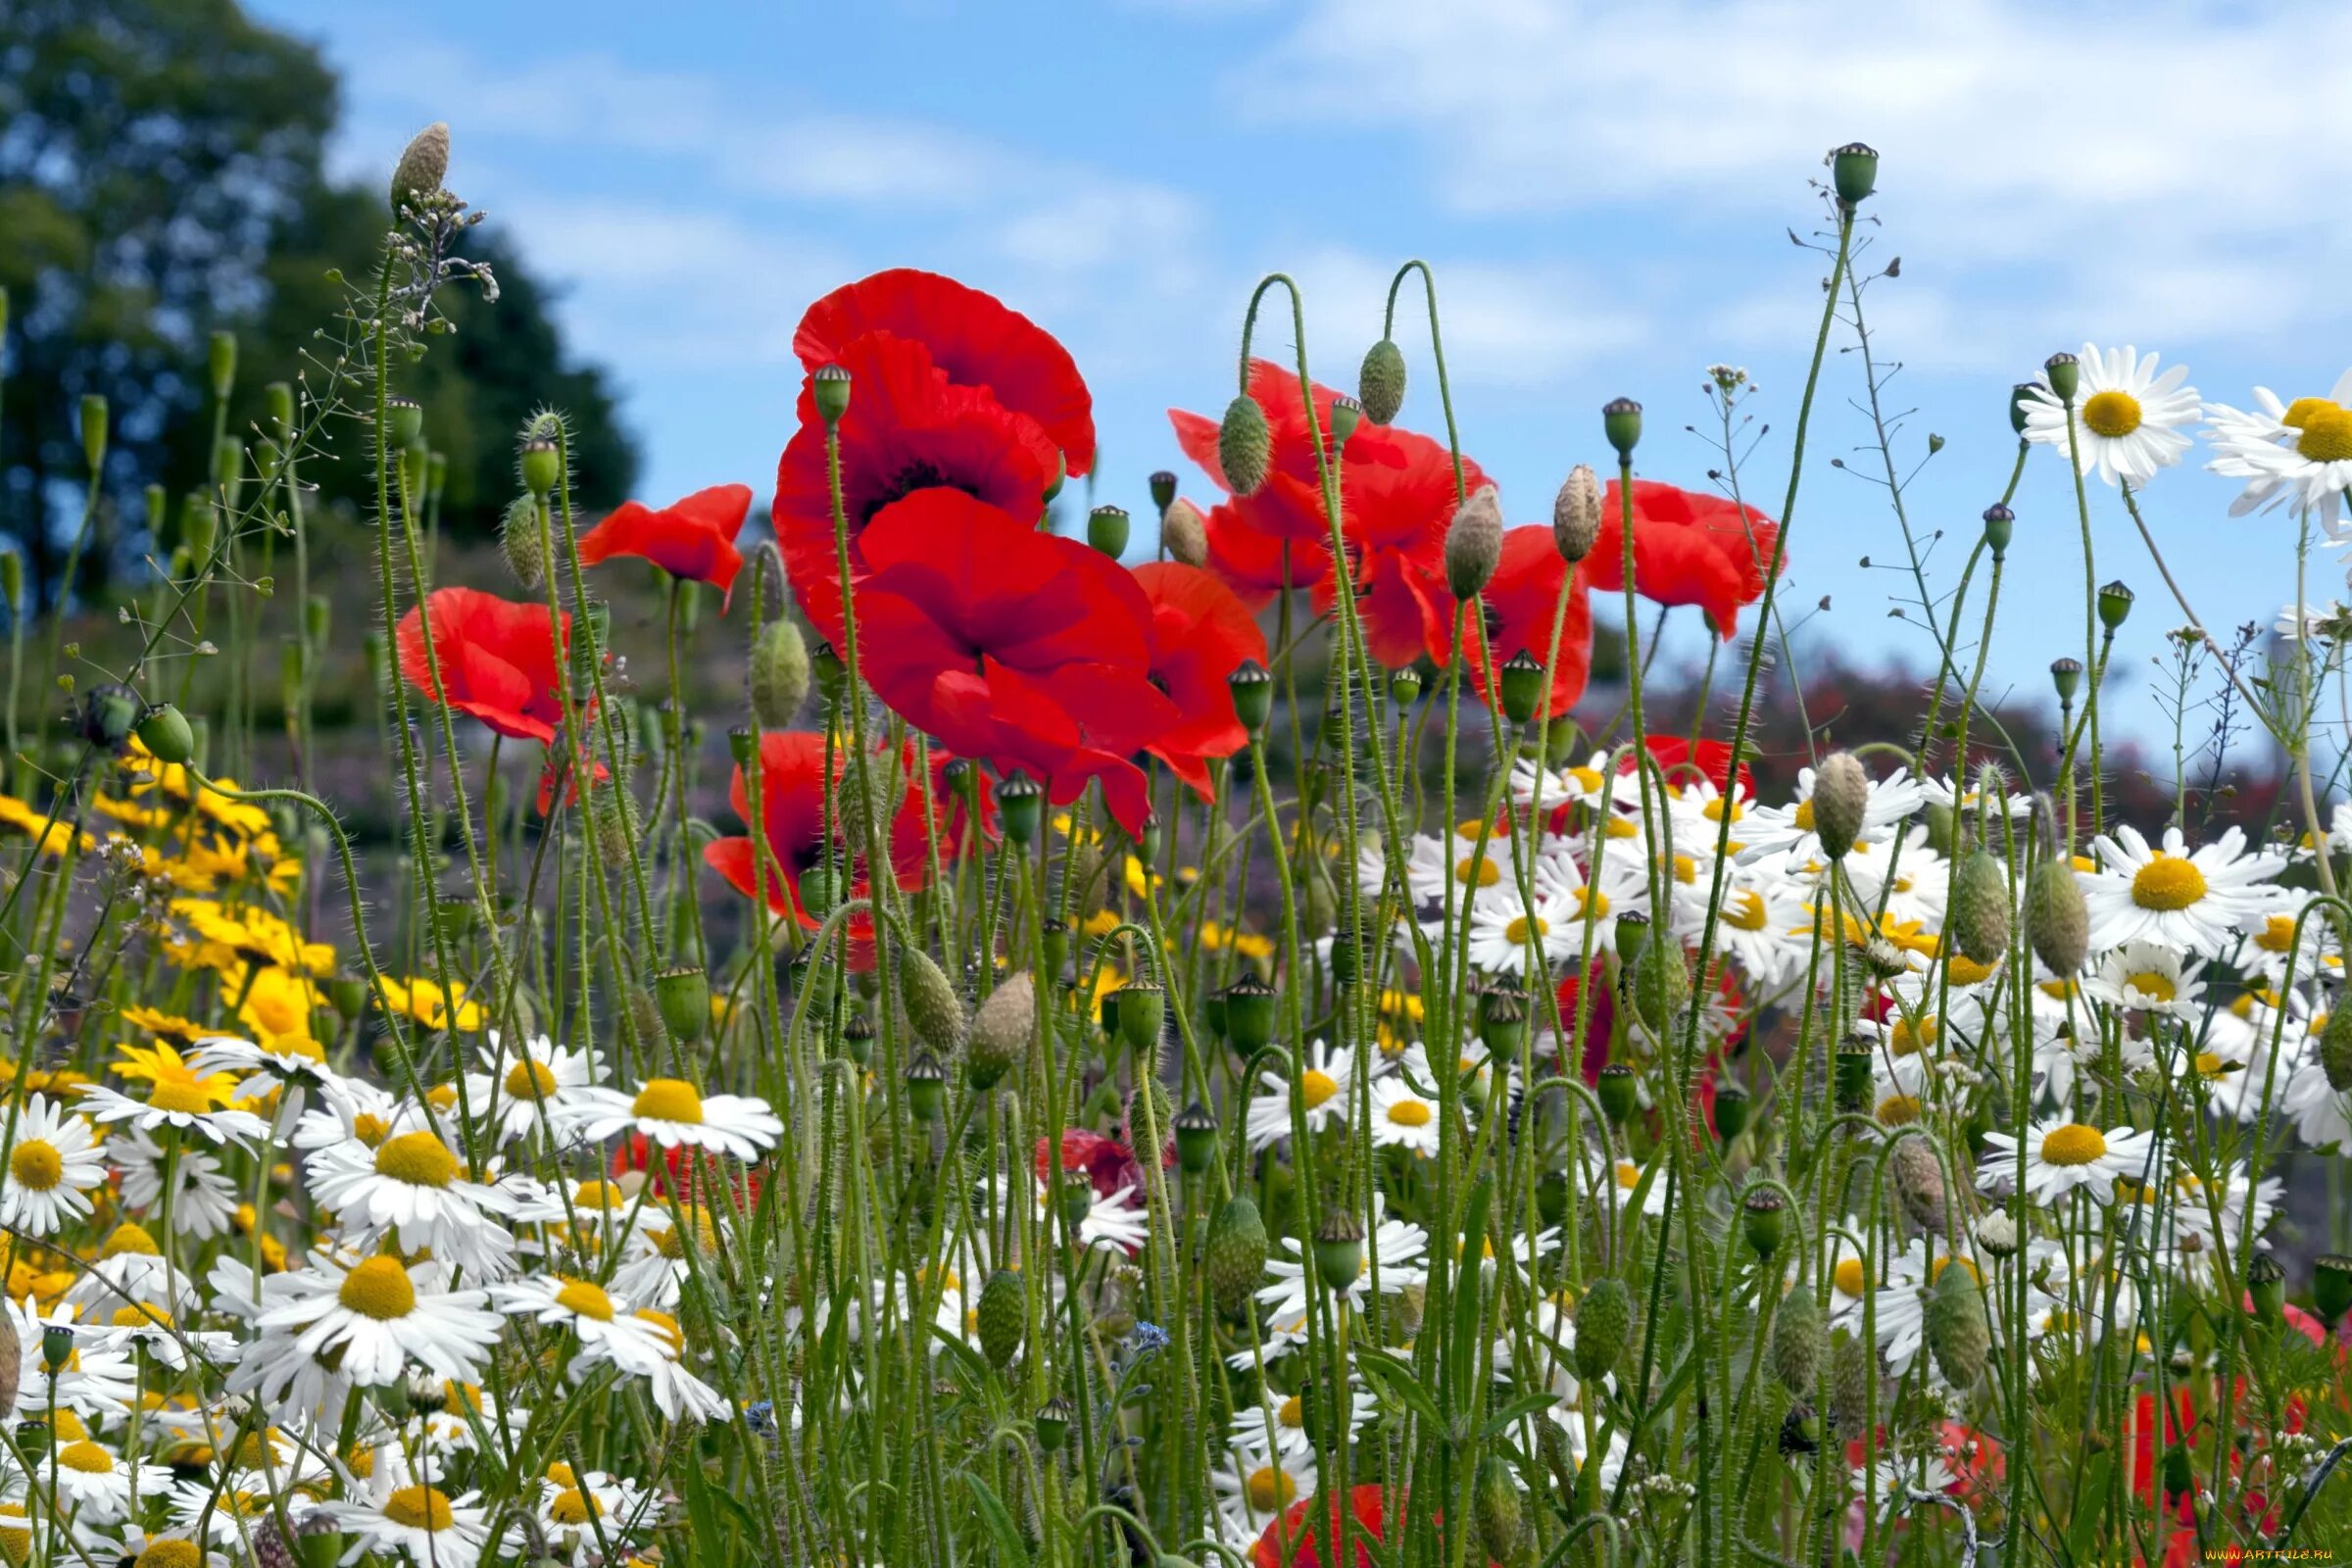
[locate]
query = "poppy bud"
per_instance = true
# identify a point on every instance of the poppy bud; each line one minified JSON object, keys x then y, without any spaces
{"x":109,"y":714}
{"x":2115,"y":604}
{"x":1498,"y":1510}
{"x":2335,"y":1045}
{"x":1957,"y":1330}
{"x":1849,"y":1385}
{"x":1404,"y":686}
{"x":1245,"y":445}
{"x":779,"y":674}
{"x":164,"y":732}
{"x":1840,"y":797}
{"x":1234,"y":1255}
{"x":2057,"y":921}
{"x":1617,"y":1091}
{"x":2332,"y":1287}
{"x":1346,"y":414}
{"x":1001,"y":1317}
{"x":1142,"y":1010}
{"x":829,"y":387}
{"x":926,"y":1085}
{"x":541,"y":466}
{"x":518,"y":542}
{"x":277,"y":404}
{"x":1163,"y":489}
{"x":1795,"y":1349}
{"x":2065,"y":373}
{"x":831,"y":673}
{"x":1658,"y":983}
{"x":1054,"y":1424}
{"x":1621,"y":422}
{"x":2266,"y":1282}
{"x":1576,"y":513}
{"x":1250,"y":1013}
{"x":2066,"y":674}
{"x":222,"y":361}
{"x":403,"y":422}
{"x":1605,"y":1325}
{"x":931,"y":1003}
{"x":683,"y":996}
{"x":1340,"y":1250}
{"x":1380,"y":384}
{"x":1732,"y":1107}
{"x":1019,"y":803}
{"x":93,"y":429}
{"x":1852,"y":1075}
{"x":1763,"y":1216}
{"x":1919,"y":1184}
{"x":1978,"y":907}
{"x":422,"y":166}
{"x":1001,"y":1032}
{"x":1473,"y":543}
{"x":1854,"y":171}
{"x":1195,"y":1137}
{"x":1502,"y":1022}
{"x":1522,"y":681}
{"x":1184,"y":533}
{"x":1106,"y":530}
{"x":1252,"y":688}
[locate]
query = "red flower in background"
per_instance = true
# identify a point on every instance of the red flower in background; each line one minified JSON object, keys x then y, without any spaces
{"x":1677,"y":760}
{"x":1107,"y":1163}
{"x":497,"y":659}
{"x":693,"y":538}
{"x":1689,"y":549}
{"x":1519,"y":604}
{"x":1200,"y":634}
{"x":975,"y":338}
{"x":1290,"y":504}
{"x":1253,"y":563}
{"x":909,"y":429}
{"x":1021,"y":647}
{"x":792,"y":799}
{"x":1294,"y":1539}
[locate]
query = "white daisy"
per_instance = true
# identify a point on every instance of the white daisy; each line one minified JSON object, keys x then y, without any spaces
{"x":51,"y":1167}
{"x":2295,"y":454}
{"x":590,"y":1312}
{"x":1393,"y":1250}
{"x":2175,"y":898}
{"x":380,"y":1317}
{"x":2064,"y":1155}
{"x":414,"y":1188}
{"x":204,"y":1200}
{"x":2128,"y":421}
{"x":1321,"y":1093}
{"x":672,"y":1113}
{"x":421,"y":1521}
{"x":531,"y":1085}
{"x":2149,"y":977}
{"x":1403,"y":1116}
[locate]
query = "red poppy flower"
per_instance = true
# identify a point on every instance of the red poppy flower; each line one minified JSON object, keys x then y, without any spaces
{"x":1600,"y":1011}
{"x":1294,"y":1539}
{"x":909,"y":429}
{"x":497,"y":659}
{"x":1200,"y":634}
{"x":693,"y":538}
{"x":792,"y":798}
{"x":1256,"y":566}
{"x":1021,"y":647}
{"x":1689,"y":549}
{"x":1677,"y":759}
{"x":975,"y":338}
{"x":1398,"y":500}
{"x":1290,"y":504}
{"x":1106,"y":1163}
{"x":1518,"y":605}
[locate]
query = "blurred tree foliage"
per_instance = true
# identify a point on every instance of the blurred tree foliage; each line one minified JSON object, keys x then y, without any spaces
{"x":162,"y":175}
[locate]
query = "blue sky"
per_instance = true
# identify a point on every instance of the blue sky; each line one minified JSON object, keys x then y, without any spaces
{"x":1603,"y":190}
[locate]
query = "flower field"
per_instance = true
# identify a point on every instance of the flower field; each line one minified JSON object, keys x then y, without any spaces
{"x":1233,"y":1035}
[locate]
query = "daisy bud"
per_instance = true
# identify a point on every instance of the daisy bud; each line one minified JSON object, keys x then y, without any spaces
{"x":683,"y":996}
{"x":1850,"y":1386}
{"x":1795,"y":1349}
{"x":1979,"y":906}
{"x":1522,"y":681}
{"x":1501,"y":1517}
{"x":93,"y":429}
{"x":1019,"y":805}
{"x":1250,"y":1013}
{"x":2266,"y":1282}
{"x":2065,"y":375}
{"x":1233,"y":1257}
{"x":779,"y":674}
{"x":1576,"y":513}
{"x":1763,"y":1216}
{"x":1000,"y":1033}
{"x":1184,"y":533}
{"x":1604,"y":1326}
{"x":1957,"y":1330}
{"x":1621,"y":422}
{"x":830,"y":387}
{"x":1854,"y":171}
{"x":518,"y":542}
{"x":2330,"y":1291}
{"x":1852,"y":1081}
{"x":1618,"y":1090}
{"x":1143,"y":1011}
{"x":1996,"y":1233}
{"x":1195,"y":1137}
{"x":403,"y":423}
{"x":1919,"y":1184}
{"x":926,"y":1085}
{"x":1054,"y":1424}
{"x":541,"y":466}
{"x":1404,"y":686}
{"x":1473,"y":543}
{"x":422,"y":166}
{"x":1106,"y":530}
{"x":1339,"y":1248}
{"x":1000,"y":1317}
{"x":1245,"y":445}
{"x":2066,"y":674}
{"x":1163,"y":489}
{"x":1840,"y":797}
{"x":2057,"y":921}
{"x":2115,"y":604}
{"x":1380,"y":384}
{"x":1253,"y":687}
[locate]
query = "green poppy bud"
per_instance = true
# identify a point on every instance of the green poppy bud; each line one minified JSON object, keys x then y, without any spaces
{"x":1621,"y":422}
{"x":278,"y":406}
{"x":165,"y":733}
{"x":930,"y":999}
{"x":1979,"y":908}
{"x":1795,"y":1349}
{"x":1604,"y":1326}
{"x":1001,"y":1317}
{"x":1233,"y":1257}
{"x":779,"y":674}
{"x":1957,"y":1329}
{"x":541,"y":465}
{"x":1245,"y":445}
{"x":520,"y":543}
{"x":2057,"y":921}
{"x":1919,"y":1184}
{"x":1380,"y":384}
{"x":348,"y":996}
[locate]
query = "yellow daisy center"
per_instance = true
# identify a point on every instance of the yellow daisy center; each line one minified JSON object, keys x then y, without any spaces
{"x":2167,"y":882}
{"x":1967,"y":971}
{"x":2073,"y":1145}
{"x":380,"y":1288}
{"x":369,"y":1128}
{"x":36,"y":1163}
{"x":417,"y":1159}
{"x":2149,"y":983}
{"x":1291,"y":1413}
{"x":529,"y":1080}
{"x":2299,"y":412}
{"x":2327,"y":436}
{"x":1686,"y":869}
{"x":2277,"y":935}
{"x":585,"y":1299}
{"x":420,"y":1508}
{"x":1596,"y":902}
{"x":141,"y":1314}
{"x":130,"y":1238}
{"x":1586,"y":780}
{"x":1849,"y":1277}
{"x":2210,"y":1064}
{"x":175,"y":1089}
{"x":1628,"y":1175}
{"x":1746,"y":910}
{"x":668,"y":1326}
{"x":669,"y":1099}
{"x":1269,"y":1487}
{"x":1898,"y":1110}
{"x":1804,"y":816}
{"x":88,"y":1458}
{"x":1409,"y":1113}
{"x":1315,"y":1086}
{"x":1713,"y":811}
{"x":573,"y":1506}
{"x":1623,"y":827}
{"x":2113,"y":415}
{"x":1478,"y":868}
{"x":1522,"y":927}
{"x":170,"y":1554}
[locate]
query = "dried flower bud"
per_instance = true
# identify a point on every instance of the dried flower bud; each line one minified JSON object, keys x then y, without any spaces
{"x":423,"y":167}
{"x":1184,"y":533}
{"x":1919,"y":1182}
{"x":1841,"y":796}
{"x":1576,"y":513}
{"x":1473,"y":543}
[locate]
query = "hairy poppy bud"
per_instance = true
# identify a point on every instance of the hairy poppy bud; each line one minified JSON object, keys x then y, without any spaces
{"x":2057,"y":921}
{"x":1660,"y":984}
{"x":422,"y":166}
{"x":1380,"y":384}
{"x":1107,"y":529}
{"x":1245,"y":445}
{"x":683,"y":995}
{"x":1163,"y":489}
{"x":1854,"y":171}
{"x":93,"y":429}
{"x":2115,"y":604}
{"x":1604,"y":1326}
{"x":1184,"y":533}
{"x":1850,"y":1386}
{"x":779,"y":674}
{"x":1919,"y":1184}
{"x":1002,"y":1031}
{"x":1576,"y":513}
{"x":1795,"y":1349}
{"x":165,"y":733}
{"x":1001,"y":1317}
{"x":1234,"y":1255}
{"x":520,"y":543}
{"x":1841,"y":796}
{"x":931,"y":1003}
{"x":1978,"y":904}
{"x":830,"y":387}
{"x":1473,"y":543}
{"x":1621,"y":422}
{"x":2335,"y":1045}
{"x":1956,"y":1328}
{"x":2065,"y":375}
{"x":1497,"y":1510}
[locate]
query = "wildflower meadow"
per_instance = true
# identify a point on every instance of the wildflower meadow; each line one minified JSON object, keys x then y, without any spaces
{"x":1260,"y":1032}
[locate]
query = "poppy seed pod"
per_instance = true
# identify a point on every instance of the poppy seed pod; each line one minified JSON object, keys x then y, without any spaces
{"x":829,"y":387}
{"x":2000,"y":526}
{"x":1380,"y":384}
{"x":1107,"y":529}
{"x":1854,"y":173}
{"x":2065,"y":375}
{"x":1732,"y":1105}
{"x":424,"y":165}
{"x":779,"y":674}
{"x":2331,"y":1289}
{"x":540,"y":464}
{"x":2066,"y":676}
{"x":1019,"y":805}
{"x":403,"y":423}
{"x":1184,"y":533}
{"x":93,"y":429}
{"x":1054,"y":1424}
{"x":1840,"y":797}
{"x":1618,"y":1090}
{"x":1163,"y":489}
{"x":2115,"y":604}
{"x":926,"y":1085}
{"x":518,"y":542}
{"x":1404,"y":686}
{"x":1340,"y":1249}
{"x":1195,"y":1137}
{"x":1142,"y":1010}
{"x":2021,"y":397}
{"x":1621,"y":422}
{"x":1473,"y":543}
{"x":2266,"y":1284}
{"x":1346,"y":414}
{"x":684,"y":998}
{"x":1852,"y":1077}
{"x":1522,"y":681}
{"x":1250,"y":1013}
{"x":1763,"y":1218}
{"x":1576,"y":513}
{"x":1245,"y":445}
